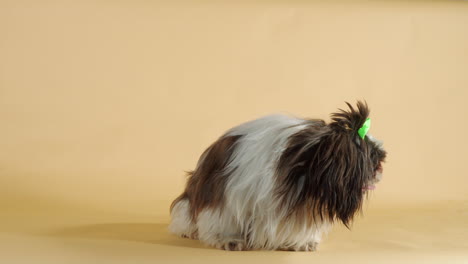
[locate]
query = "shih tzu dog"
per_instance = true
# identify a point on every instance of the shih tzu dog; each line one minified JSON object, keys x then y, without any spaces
{"x":279,"y":183}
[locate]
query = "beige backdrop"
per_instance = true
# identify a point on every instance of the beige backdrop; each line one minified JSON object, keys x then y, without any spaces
{"x":105,"y":104}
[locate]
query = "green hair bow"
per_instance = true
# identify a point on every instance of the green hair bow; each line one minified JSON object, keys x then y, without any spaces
{"x":365,"y":128}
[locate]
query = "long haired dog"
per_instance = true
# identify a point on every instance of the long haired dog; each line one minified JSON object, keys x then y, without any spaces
{"x":280,"y":182}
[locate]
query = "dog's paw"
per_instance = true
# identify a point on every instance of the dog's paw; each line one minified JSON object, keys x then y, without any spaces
{"x":193,"y":235}
{"x":232,"y":245}
{"x":311,"y":246}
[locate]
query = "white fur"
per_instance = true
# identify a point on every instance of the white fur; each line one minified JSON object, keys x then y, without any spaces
{"x":250,"y":206}
{"x":180,"y":220}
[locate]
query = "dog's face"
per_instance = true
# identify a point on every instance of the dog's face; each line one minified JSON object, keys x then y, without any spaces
{"x":377,"y":155}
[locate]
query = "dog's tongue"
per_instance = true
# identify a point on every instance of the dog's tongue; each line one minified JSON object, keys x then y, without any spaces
{"x":369,"y":187}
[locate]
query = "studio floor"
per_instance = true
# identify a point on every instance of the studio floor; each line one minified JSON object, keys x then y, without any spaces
{"x":389,"y":234}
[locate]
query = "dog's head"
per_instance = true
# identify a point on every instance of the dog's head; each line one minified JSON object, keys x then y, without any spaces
{"x":350,"y":129}
{"x":326,"y":169}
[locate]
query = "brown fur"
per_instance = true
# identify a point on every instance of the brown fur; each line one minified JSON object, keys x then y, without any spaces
{"x":206,"y":185}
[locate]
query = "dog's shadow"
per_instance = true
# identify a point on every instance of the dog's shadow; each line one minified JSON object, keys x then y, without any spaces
{"x":135,"y":232}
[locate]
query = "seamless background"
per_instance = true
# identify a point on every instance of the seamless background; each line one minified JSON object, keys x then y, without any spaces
{"x":105,"y":104}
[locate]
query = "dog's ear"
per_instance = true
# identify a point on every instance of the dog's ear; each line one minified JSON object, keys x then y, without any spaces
{"x":338,"y":172}
{"x":346,"y":166}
